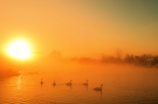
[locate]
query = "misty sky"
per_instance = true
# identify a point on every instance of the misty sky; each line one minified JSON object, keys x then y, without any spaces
{"x":81,"y":27}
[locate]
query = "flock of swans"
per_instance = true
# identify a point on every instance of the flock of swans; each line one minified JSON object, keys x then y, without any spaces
{"x":70,"y":83}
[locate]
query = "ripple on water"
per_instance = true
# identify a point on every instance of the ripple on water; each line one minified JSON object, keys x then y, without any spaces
{"x":116,"y":90}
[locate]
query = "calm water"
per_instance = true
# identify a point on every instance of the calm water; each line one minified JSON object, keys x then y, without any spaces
{"x":120,"y":86}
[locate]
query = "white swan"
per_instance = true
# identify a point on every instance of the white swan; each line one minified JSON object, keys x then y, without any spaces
{"x":69,"y":83}
{"x":54,"y":83}
{"x":98,"y":88}
{"x":86,"y":84}
{"x":41,"y":81}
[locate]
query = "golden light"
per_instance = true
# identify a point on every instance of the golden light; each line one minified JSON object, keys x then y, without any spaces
{"x":19,"y":49}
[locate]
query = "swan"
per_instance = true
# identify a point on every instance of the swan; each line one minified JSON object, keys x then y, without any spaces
{"x":98,"y":88}
{"x":69,"y":83}
{"x":54,"y":83}
{"x":41,"y":81}
{"x":86,"y":84}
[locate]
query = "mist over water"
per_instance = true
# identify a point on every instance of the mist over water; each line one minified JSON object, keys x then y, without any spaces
{"x":121,"y":85}
{"x":78,"y":52}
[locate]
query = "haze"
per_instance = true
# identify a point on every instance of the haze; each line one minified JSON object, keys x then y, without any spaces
{"x":81,"y":28}
{"x":79,"y":51}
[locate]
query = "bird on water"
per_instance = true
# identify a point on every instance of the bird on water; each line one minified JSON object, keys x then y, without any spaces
{"x":86,"y":84}
{"x":54,"y":83}
{"x":98,"y":88}
{"x":41,"y":81}
{"x":69,"y":83}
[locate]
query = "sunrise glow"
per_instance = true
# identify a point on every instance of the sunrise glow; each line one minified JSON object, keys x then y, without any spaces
{"x":19,"y":49}
{"x":78,"y":51}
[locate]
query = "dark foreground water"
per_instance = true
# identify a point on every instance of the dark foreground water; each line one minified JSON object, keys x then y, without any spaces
{"x":120,"y":86}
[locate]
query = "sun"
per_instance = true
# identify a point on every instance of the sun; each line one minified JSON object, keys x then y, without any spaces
{"x":19,"y":49}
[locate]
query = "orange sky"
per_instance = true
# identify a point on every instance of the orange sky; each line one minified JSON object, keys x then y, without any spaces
{"x":80,"y":28}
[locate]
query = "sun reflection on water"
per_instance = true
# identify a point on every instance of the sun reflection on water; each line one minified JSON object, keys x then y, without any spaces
{"x":19,"y":82}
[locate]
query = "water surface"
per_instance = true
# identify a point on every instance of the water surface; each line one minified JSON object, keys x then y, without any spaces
{"x":121,"y":85}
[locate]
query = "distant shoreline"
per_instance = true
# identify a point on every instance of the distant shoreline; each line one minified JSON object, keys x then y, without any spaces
{"x":4,"y":73}
{"x":145,"y":60}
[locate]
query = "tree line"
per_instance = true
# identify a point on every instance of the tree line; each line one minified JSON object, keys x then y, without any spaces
{"x":141,"y":60}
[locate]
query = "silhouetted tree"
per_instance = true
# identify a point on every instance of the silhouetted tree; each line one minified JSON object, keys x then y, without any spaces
{"x":155,"y":61}
{"x":103,"y":57}
{"x":129,"y":58}
{"x":119,"y":54}
{"x":55,"y":54}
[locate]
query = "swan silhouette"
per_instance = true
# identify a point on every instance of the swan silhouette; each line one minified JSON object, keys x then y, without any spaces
{"x":98,"y":88}
{"x":54,"y":83}
{"x":69,"y":83}
{"x":41,"y":82}
{"x":86,"y":84}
